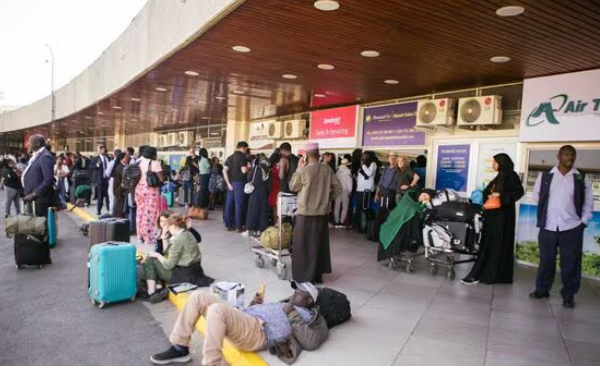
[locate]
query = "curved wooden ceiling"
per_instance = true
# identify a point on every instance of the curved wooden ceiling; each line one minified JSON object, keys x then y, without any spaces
{"x":427,"y":45}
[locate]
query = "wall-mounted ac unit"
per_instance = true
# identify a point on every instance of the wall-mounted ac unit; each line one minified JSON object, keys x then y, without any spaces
{"x":172,"y":139}
{"x":275,"y":131}
{"x":185,"y":139}
{"x":163,"y":140}
{"x":294,"y":128}
{"x":477,"y":111}
{"x":438,"y":112}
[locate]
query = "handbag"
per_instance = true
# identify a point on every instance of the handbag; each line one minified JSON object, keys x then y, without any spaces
{"x":197,"y":213}
{"x":26,"y":224}
{"x":249,"y":187}
{"x":492,"y":202}
{"x":152,"y":178}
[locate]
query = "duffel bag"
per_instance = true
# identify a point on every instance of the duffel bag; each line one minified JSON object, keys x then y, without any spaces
{"x":270,"y":237}
{"x":456,"y":211}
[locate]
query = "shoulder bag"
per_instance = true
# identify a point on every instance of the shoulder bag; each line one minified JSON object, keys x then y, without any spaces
{"x":492,"y":202}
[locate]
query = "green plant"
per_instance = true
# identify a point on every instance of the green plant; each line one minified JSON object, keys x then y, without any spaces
{"x":528,"y":251}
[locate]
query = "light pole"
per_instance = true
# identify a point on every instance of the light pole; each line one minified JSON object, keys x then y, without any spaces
{"x":53,"y":95}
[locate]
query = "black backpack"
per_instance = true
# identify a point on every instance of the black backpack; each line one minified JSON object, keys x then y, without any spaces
{"x":131,"y":176}
{"x":333,"y":306}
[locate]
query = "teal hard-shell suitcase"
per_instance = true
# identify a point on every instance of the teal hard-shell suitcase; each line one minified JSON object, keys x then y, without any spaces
{"x":113,"y":274}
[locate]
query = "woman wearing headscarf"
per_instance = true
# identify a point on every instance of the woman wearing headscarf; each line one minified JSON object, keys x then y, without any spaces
{"x":495,"y":261}
{"x":120,"y":193}
{"x":148,"y":197}
{"x":257,"y":219}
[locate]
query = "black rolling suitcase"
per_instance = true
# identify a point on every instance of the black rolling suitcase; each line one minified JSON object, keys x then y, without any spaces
{"x":368,"y":213}
{"x":381,"y":215}
{"x":31,"y":250}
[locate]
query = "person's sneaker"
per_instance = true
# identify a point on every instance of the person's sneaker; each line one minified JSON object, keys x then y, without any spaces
{"x":159,"y":296}
{"x":331,"y":226}
{"x":230,"y":229}
{"x":247,"y":233}
{"x":470,"y":281}
{"x":536,"y":295}
{"x":171,"y":356}
{"x":240,"y":231}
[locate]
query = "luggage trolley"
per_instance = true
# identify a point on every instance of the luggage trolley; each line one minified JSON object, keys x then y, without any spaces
{"x":442,"y":246}
{"x":286,"y":205}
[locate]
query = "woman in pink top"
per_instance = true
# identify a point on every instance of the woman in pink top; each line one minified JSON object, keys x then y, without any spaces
{"x":148,"y":198}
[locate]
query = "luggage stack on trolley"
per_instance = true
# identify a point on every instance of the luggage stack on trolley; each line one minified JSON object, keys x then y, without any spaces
{"x":451,"y":235}
{"x":275,"y":242}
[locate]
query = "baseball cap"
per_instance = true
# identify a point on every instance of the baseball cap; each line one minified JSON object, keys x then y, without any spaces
{"x":308,"y":287}
{"x":242,"y":144}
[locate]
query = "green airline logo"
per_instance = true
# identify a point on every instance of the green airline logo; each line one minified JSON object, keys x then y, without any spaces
{"x":546,"y":112}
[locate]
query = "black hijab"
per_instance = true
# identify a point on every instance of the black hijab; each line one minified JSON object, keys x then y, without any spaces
{"x":506,"y":174}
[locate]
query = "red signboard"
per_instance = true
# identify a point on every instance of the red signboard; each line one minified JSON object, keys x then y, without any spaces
{"x":334,"y":128}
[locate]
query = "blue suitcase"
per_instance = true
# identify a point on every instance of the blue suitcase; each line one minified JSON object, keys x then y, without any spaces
{"x":52,"y":229}
{"x":113,"y":274}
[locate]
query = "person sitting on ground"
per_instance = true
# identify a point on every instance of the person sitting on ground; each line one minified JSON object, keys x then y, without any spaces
{"x":255,"y":328}
{"x":181,"y":262}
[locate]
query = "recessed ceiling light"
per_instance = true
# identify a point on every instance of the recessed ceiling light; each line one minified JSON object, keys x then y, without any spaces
{"x":500,"y":59}
{"x":510,"y":11}
{"x":326,"y":66}
{"x":117,"y":107}
{"x":214,"y":133}
{"x":88,"y":117}
{"x":391,"y":81}
{"x":238,"y":92}
{"x":134,"y":120}
{"x":135,"y":99}
{"x":192,"y":73}
{"x":320,"y":95}
{"x":241,"y":49}
{"x":100,"y":113}
{"x":326,"y":5}
{"x":289,"y":76}
{"x":220,"y":98}
{"x":370,"y":53}
{"x":161,"y":89}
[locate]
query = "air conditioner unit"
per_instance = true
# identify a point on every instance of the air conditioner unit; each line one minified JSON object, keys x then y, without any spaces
{"x":294,"y":128}
{"x":477,"y":111}
{"x":438,"y":112}
{"x":185,"y":139}
{"x":275,"y":131}
{"x":172,"y":139}
{"x":163,"y":140}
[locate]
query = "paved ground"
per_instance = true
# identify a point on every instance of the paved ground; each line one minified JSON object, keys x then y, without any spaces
{"x":399,"y":318}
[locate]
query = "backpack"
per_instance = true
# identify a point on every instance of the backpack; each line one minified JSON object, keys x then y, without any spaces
{"x":437,"y":236}
{"x":333,"y":306}
{"x":131,"y":176}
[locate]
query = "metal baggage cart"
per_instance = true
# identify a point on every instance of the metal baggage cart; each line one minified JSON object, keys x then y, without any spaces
{"x":286,"y":205}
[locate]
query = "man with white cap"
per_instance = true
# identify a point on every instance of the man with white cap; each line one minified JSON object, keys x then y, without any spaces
{"x":316,"y":185}
{"x":260,"y":326}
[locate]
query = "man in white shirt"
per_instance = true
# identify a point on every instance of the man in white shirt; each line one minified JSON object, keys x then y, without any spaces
{"x":108,"y":174}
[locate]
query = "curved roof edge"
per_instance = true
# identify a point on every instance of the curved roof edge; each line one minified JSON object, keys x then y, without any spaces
{"x":160,"y":29}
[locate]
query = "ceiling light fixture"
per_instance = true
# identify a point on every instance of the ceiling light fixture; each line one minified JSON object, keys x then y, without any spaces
{"x":326,"y":66}
{"x":161,"y":89}
{"x":320,"y":95}
{"x":135,"y":99}
{"x":510,"y":11}
{"x":88,"y":117}
{"x":243,"y":49}
{"x":134,"y":120}
{"x":192,"y":73}
{"x":214,"y":133}
{"x":238,"y":92}
{"x":391,"y":81}
{"x":289,"y":76}
{"x":100,"y":113}
{"x":327,"y":5}
{"x":220,"y":98}
{"x":370,"y":53}
{"x":117,"y":107}
{"x":500,"y":59}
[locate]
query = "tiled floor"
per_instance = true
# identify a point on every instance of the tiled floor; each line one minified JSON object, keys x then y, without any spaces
{"x":417,"y":319}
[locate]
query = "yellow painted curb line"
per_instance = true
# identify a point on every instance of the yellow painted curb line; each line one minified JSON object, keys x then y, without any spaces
{"x":232,"y":355}
{"x":81,"y":213}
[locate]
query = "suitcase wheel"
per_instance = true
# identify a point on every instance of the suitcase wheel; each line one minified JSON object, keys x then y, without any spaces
{"x":101,"y":305}
{"x":281,"y":271}
{"x":409,"y":267}
{"x":433,"y":269}
{"x":19,"y":267}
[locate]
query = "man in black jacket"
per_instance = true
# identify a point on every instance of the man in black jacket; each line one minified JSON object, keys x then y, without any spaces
{"x":98,"y":166}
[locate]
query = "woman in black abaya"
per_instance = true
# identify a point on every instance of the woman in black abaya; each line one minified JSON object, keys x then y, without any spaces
{"x":495,"y":261}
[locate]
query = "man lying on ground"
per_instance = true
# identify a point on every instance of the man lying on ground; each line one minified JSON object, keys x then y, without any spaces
{"x":260,"y":326}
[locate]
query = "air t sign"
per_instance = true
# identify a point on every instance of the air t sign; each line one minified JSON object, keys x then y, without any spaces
{"x":561,"y":108}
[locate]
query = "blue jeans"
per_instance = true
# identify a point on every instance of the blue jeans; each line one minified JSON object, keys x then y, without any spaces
{"x":188,"y":192}
{"x":62,"y":192}
{"x":234,"y":204}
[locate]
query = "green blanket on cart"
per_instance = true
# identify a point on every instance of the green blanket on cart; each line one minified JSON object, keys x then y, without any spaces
{"x":404,"y":211}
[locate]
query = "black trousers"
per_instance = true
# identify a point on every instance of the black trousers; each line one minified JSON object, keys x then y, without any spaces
{"x":102,"y":191}
{"x":570,"y":244}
